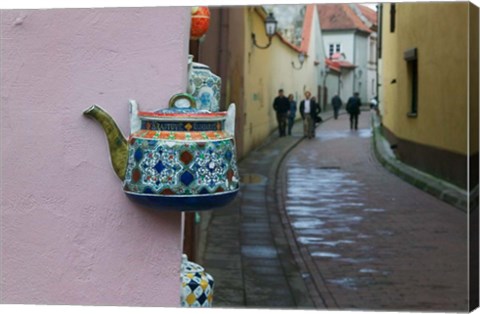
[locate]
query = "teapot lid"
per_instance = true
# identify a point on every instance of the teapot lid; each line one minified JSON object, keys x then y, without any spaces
{"x":183,"y":106}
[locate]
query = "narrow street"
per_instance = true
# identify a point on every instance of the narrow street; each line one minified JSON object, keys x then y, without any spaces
{"x":329,"y":227}
{"x":375,"y":241}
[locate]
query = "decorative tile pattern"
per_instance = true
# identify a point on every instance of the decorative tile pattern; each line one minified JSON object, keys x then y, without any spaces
{"x":197,"y":285}
{"x":181,"y":168}
{"x":206,"y":87}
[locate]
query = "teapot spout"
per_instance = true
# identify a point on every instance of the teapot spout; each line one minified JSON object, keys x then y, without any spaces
{"x":116,"y":141}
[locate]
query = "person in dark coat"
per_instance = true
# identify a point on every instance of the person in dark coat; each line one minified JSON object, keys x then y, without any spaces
{"x":353,"y":109}
{"x":281,"y":105}
{"x":336,"y":104}
{"x":308,"y":110}
{"x":291,"y":113}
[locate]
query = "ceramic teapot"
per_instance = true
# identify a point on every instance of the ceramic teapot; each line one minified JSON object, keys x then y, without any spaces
{"x":179,"y":158}
{"x":204,"y":85}
{"x":197,"y":285}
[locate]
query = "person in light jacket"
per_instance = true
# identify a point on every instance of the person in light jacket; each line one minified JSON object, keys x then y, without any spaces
{"x":308,"y":110}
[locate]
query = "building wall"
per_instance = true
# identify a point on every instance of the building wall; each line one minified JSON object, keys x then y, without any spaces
{"x":355,"y":46}
{"x":348,"y":81}
{"x":341,"y":84}
{"x":344,"y":38}
{"x":473,"y":108}
{"x":223,"y":53}
{"x":317,"y":53}
{"x":360,"y":83}
{"x":259,"y":118}
{"x":372,"y":67}
{"x":439,"y":32}
{"x":69,"y":234}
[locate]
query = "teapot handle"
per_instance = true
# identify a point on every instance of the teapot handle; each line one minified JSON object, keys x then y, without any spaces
{"x":182,"y":101}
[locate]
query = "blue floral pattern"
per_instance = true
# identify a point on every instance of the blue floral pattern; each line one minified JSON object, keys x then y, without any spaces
{"x":159,"y":167}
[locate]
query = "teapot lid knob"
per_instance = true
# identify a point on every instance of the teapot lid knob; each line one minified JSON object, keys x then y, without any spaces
{"x":182,"y":101}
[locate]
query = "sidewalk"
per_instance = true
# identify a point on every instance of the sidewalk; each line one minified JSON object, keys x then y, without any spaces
{"x":246,"y":249}
{"x":428,"y":183}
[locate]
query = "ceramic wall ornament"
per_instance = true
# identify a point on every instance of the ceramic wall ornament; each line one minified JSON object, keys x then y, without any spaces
{"x":196,"y":285}
{"x":200,"y":22}
{"x":180,"y":158}
{"x":204,"y":86}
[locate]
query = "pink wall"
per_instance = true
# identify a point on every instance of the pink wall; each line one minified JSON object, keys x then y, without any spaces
{"x":68,"y":233}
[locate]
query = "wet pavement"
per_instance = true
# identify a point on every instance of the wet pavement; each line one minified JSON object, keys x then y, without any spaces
{"x":321,"y":224}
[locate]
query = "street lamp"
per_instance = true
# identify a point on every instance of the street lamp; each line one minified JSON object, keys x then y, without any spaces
{"x":270,"y":30}
{"x":301,"y":59}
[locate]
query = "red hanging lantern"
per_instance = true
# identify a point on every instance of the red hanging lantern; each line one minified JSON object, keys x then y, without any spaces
{"x":200,"y":22}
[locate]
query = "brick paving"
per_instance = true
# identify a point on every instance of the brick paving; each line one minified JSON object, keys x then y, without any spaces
{"x":329,"y":227}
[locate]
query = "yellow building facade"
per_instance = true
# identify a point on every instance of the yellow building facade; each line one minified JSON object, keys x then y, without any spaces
{"x":268,"y":70}
{"x":426,"y":56}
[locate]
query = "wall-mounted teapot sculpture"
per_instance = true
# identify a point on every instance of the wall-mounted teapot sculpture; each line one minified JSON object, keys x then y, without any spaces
{"x":180,"y":158}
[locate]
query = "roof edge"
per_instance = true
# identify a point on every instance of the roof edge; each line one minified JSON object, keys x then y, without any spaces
{"x":263,"y":15}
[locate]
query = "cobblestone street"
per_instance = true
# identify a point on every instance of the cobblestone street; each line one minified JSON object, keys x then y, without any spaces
{"x":329,"y":227}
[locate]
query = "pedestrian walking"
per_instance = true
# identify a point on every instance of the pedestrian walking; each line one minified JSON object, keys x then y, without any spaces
{"x":336,"y":104}
{"x":291,"y":113}
{"x":281,"y":105}
{"x":308,"y":111}
{"x":353,"y":109}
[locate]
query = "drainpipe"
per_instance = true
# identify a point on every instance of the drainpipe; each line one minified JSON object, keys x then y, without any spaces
{"x":379,"y":50}
{"x":222,"y":61}
{"x":325,"y":89}
{"x":354,"y":58}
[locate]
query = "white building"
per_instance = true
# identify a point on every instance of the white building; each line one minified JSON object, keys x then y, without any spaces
{"x":349,"y":33}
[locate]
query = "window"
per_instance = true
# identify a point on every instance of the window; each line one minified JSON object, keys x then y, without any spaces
{"x":410,"y":56}
{"x":392,"y":17}
{"x":413,"y":65}
{"x":333,"y":48}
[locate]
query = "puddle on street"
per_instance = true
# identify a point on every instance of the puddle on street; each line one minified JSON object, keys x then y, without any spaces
{"x":325,"y":206}
{"x":333,"y":135}
{"x":346,"y":282}
{"x":373,"y":271}
{"x":335,"y":243}
{"x":259,"y":251}
{"x":356,"y":260}
{"x":368,"y":270}
{"x":363,"y":236}
{"x":346,"y":219}
{"x":310,"y":240}
{"x":385,"y":232}
{"x":307,"y":223}
{"x":374,"y":210}
{"x":325,"y":254}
